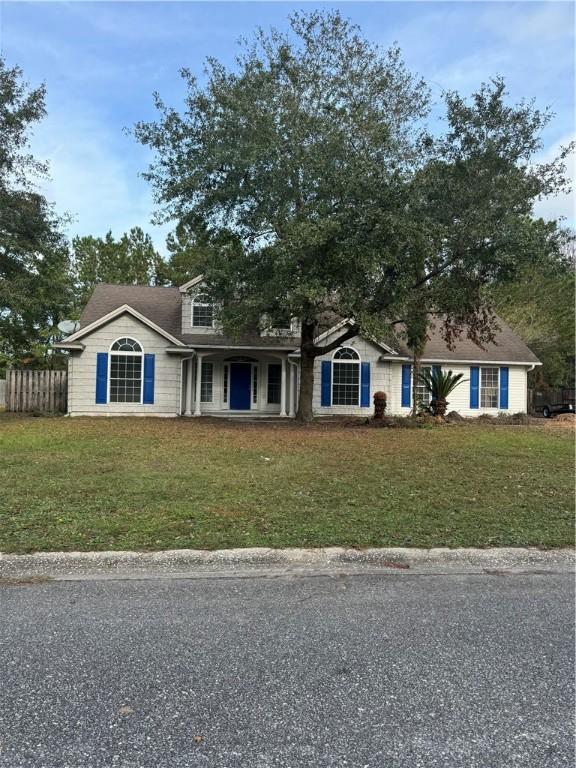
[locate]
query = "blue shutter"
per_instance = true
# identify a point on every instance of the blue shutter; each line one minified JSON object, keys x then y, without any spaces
{"x":101,"y":378}
{"x":149,"y":379}
{"x":406,"y":385}
{"x":437,"y":368}
{"x":503,"y":388}
{"x":326,"y":400}
{"x":474,"y":386}
{"x":365,"y":385}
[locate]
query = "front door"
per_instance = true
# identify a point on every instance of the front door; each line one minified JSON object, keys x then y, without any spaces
{"x":240,"y":386}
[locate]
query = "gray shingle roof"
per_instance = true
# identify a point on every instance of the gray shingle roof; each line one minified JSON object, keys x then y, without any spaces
{"x":507,"y":347}
{"x":163,"y":306}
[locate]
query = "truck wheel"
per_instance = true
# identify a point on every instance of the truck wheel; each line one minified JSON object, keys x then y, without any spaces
{"x":547,"y":412}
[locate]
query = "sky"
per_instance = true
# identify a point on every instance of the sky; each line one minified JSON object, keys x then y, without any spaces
{"x":101,"y":63}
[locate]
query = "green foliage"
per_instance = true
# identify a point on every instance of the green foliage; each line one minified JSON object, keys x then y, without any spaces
{"x":35,"y":285}
{"x":312,"y":158}
{"x":539,"y":306}
{"x":130,"y":260}
{"x":188,"y":252}
{"x":440,"y":383}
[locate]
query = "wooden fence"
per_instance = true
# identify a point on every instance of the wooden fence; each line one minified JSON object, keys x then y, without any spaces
{"x":36,"y":391}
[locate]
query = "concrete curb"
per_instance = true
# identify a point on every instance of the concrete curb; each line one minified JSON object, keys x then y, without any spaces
{"x":188,"y":563}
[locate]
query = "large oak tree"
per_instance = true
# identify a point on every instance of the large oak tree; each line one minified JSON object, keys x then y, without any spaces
{"x":310,"y":169}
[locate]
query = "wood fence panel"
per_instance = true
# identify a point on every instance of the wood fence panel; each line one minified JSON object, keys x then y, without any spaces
{"x":43,"y":391}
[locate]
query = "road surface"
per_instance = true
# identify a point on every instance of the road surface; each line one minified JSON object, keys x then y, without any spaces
{"x":374,"y":670}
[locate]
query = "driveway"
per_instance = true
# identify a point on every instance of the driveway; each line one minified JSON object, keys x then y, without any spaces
{"x":368,"y":670}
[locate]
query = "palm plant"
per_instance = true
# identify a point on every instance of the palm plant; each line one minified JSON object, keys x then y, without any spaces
{"x":440,"y":384}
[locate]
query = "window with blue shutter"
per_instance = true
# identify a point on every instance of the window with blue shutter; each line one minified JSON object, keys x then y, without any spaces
{"x":101,"y":378}
{"x":437,"y":369}
{"x":406,"y":369}
{"x":326,"y":393}
{"x":474,"y":386}
{"x":365,"y":385}
{"x":149,"y":365}
{"x":503,"y":388}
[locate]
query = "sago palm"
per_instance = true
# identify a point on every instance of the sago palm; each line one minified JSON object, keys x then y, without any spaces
{"x":440,"y":384}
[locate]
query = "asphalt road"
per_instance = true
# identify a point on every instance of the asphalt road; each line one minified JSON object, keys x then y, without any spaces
{"x":377,"y":671}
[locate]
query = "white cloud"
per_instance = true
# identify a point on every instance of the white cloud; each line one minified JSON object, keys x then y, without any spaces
{"x":94,"y":173}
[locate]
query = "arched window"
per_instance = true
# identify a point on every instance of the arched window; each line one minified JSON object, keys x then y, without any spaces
{"x":126,"y":362}
{"x":202,"y":312}
{"x":346,"y":377}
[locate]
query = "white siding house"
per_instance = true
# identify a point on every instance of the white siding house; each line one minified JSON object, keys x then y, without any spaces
{"x":147,"y":351}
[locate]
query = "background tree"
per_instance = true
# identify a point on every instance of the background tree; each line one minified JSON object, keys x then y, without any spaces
{"x":539,"y":306}
{"x":130,"y":260}
{"x":35,"y":284}
{"x":187,"y":254}
{"x":312,"y":156}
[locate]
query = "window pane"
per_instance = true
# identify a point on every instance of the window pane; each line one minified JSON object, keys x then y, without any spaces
{"x":274,"y":383}
{"x":422,"y":392}
{"x":346,"y":383}
{"x":206,"y":383}
{"x":225,"y":388}
{"x":489,"y":387}
{"x":202,"y":312}
{"x":255,"y":384}
{"x":126,"y":345}
{"x":346,"y":354}
{"x":125,"y":378}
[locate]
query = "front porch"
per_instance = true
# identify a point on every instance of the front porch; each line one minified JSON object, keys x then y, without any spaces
{"x":224,"y":383}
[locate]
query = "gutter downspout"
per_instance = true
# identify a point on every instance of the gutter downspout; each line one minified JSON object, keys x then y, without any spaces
{"x":531,"y":368}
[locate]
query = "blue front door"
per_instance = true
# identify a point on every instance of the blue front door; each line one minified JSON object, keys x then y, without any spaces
{"x":240,"y":389}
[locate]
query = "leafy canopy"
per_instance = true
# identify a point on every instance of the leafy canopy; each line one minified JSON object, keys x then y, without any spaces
{"x":310,"y":171}
{"x":35,"y":289}
{"x":131,"y":260}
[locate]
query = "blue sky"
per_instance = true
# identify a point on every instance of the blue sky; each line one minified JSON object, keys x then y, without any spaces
{"x":102,"y":61}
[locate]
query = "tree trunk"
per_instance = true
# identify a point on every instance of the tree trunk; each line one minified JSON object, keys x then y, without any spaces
{"x":307,"y":358}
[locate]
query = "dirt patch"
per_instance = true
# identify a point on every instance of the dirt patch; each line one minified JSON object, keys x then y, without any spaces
{"x":23,"y":581}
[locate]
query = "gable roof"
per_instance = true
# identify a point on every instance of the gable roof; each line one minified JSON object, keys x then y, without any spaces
{"x":162,"y":307}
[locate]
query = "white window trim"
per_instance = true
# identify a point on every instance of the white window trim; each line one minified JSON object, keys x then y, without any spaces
{"x":489,"y":407}
{"x":268,"y":383}
{"x":133,"y":354}
{"x":204,"y":364}
{"x":357,"y":361}
{"x":420,"y":383}
{"x":195,"y":301}
{"x":226,"y":391}
{"x":254,"y":391}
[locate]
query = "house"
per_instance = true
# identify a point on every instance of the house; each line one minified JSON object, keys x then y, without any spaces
{"x":152,"y":351}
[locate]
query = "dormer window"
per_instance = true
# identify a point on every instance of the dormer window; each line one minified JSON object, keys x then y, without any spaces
{"x":202,"y":312}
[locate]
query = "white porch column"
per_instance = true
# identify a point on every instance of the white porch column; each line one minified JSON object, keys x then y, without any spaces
{"x":283,"y":389}
{"x":197,"y":411}
{"x":292,"y":406}
{"x":188,"y":392}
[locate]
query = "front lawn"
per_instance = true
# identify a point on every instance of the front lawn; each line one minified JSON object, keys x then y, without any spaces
{"x":96,"y":484}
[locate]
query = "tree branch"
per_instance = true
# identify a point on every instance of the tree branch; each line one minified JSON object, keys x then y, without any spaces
{"x":354,"y":330}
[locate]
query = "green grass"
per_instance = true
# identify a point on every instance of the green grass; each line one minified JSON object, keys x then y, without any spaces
{"x":96,"y":484}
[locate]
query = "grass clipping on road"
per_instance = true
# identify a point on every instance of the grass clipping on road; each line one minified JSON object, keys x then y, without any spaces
{"x":97,"y":484}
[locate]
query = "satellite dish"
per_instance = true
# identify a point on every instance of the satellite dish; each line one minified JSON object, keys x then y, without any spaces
{"x":68,"y":326}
